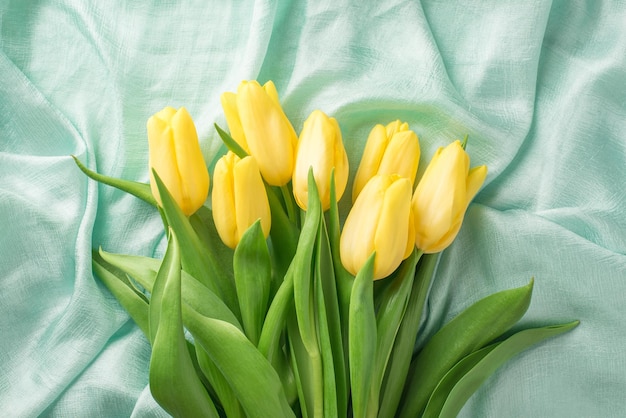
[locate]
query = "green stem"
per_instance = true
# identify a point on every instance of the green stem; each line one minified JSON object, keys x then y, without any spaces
{"x":289,"y":204}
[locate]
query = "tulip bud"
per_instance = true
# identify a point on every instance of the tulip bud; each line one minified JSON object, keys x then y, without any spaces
{"x":442,"y":196}
{"x":393,"y":149}
{"x":239,"y":198}
{"x":257,"y":122}
{"x":378,"y":221}
{"x":176,"y":157}
{"x":320,"y":147}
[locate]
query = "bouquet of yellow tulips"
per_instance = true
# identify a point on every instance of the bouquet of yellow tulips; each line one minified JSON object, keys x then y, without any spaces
{"x":266,"y":304}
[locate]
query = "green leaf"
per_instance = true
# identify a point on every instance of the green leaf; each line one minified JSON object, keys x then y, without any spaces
{"x":275,"y":320}
{"x":197,"y":260}
{"x":249,"y":374}
{"x":465,"y":382}
{"x":283,"y":238}
{"x":441,"y":392}
{"x":219,"y":384}
{"x":230,"y":142}
{"x":203,"y":224}
{"x":394,"y":301}
{"x":402,"y":352}
{"x":482,"y":322}
{"x":174,"y":383}
{"x":331,"y":340}
{"x":304,"y":297}
{"x":253,"y":276}
{"x":301,"y":366}
{"x":362,"y":339}
{"x":140,"y":190}
{"x":343,"y":279}
{"x":194,"y":293}
{"x":134,"y":302}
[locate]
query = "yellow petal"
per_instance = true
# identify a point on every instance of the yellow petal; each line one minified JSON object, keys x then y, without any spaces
{"x":223,"y":200}
{"x":401,"y":156}
{"x":392,"y":231}
{"x":251,"y":201}
{"x":229,"y":104}
{"x":271,"y":91}
{"x":270,"y":136}
{"x":194,"y":183}
{"x":370,"y":160}
{"x":320,"y":148}
{"x":475,"y":180}
{"x":357,"y":236}
{"x":162,"y":158}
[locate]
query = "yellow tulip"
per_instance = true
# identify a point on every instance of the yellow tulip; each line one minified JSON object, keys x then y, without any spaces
{"x":176,"y":157}
{"x":379,"y":221}
{"x":320,"y":147}
{"x":391,"y":149}
{"x":442,"y":196}
{"x":239,"y":198}
{"x":258,"y":123}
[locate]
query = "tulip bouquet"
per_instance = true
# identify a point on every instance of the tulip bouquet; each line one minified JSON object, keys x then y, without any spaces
{"x":267,"y":304}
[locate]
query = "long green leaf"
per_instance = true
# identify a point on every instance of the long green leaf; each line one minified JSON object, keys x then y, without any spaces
{"x":203,"y":224}
{"x":221,"y":388}
{"x":394,"y":301}
{"x":469,"y":382}
{"x":197,"y":260}
{"x":482,"y":322}
{"x":253,"y":276}
{"x":304,"y":296}
{"x":140,"y":190}
{"x":362,"y":339}
{"x":402,"y":352}
{"x":343,"y":279}
{"x":301,"y":366}
{"x":194,"y":293}
{"x":249,"y":374}
{"x":323,"y":317}
{"x":283,"y":238}
{"x":331,"y":339}
{"x":134,"y":303}
{"x":174,"y":383}
{"x":441,"y":392}
{"x":230,"y":142}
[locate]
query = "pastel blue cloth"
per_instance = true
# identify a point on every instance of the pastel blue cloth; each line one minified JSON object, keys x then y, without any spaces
{"x":539,"y":86}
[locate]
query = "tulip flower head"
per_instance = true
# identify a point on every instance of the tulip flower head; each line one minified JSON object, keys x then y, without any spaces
{"x":379,"y":221}
{"x":258,"y":123}
{"x":320,"y":147}
{"x":391,"y":149}
{"x":176,"y":157}
{"x":442,"y":197}
{"x":239,"y":198}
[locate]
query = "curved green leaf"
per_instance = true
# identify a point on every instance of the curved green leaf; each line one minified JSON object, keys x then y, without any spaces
{"x":303,"y":295}
{"x":441,"y":392}
{"x":194,"y":293}
{"x":197,"y":260}
{"x":220,"y":386}
{"x":230,"y":142}
{"x":253,"y":276}
{"x":249,"y":374}
{"x":482,"y":322}
{"x":401,"y":354}
{"x":140,"y":190}
{"x":134,"y":302}
{"x":394,"y":301}
{"x":174,"y":383}
{"x":515,"y":344}
{"x":362,"y":338}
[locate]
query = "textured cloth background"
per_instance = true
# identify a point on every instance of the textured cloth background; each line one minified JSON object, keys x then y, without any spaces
{"x":539,"y":86}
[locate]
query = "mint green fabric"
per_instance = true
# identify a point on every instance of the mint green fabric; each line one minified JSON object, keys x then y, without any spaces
{"x":539,"y":86}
